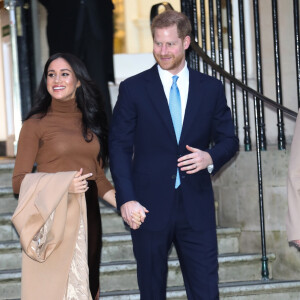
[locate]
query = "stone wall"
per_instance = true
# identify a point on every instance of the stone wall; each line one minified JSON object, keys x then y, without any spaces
{"x":236,"y":194}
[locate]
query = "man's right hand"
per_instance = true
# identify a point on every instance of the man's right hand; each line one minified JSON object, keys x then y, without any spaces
{"x":130,"y":207}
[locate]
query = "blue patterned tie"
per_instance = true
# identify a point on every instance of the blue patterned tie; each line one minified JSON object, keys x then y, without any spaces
{"x":175,"y":110}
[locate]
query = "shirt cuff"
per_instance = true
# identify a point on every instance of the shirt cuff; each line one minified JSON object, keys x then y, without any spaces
{"x":210,"y":168}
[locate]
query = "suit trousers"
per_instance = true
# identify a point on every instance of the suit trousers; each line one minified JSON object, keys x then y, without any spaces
{"x":196,"y":250}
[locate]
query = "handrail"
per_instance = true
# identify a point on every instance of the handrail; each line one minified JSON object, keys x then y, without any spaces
{"x":233,"y":79}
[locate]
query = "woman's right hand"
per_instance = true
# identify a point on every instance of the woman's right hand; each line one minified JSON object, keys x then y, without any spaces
{"x":79,"y":183}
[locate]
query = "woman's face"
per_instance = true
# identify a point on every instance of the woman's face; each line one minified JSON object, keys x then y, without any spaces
{"x":61,"y":80}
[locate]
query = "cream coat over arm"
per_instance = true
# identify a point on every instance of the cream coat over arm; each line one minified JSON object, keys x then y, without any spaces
{"x":47,"y":275}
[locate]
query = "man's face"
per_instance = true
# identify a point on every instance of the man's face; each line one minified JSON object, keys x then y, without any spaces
{"x":169,"y":49}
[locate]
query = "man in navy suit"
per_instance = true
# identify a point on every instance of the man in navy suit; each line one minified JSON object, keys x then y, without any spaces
{"x":160,"y":159}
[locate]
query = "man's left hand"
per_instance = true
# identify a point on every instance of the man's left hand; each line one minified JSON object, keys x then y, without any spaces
{"x":195,"y":161}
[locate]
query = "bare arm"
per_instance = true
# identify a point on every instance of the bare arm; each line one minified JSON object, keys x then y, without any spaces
{"x":110,"y":197}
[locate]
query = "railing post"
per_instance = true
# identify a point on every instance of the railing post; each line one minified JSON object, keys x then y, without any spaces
{"x":264,"y":259}
{"x":247,"y":137}
{"x":189,"y":8}
{"x":260,"y":106}
{"x":260,"y":139}
{"x":297,"y":46}
{"x":220,"y":39}
{"x":280,"y":124}
{"x":203,"y":32}
{"x":212,"y":34}
{"x":231,"y":66}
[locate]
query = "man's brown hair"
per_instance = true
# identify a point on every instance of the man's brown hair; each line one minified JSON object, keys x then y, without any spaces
{"x":169,"y":18}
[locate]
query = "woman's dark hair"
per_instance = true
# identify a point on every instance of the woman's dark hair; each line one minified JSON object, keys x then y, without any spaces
{"x":88,"y":98}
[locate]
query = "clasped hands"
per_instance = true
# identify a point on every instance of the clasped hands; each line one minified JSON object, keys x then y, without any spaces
{"x":133,"y":213}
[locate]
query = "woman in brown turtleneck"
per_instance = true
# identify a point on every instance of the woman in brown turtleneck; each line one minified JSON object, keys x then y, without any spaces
{"x":66,"y":130}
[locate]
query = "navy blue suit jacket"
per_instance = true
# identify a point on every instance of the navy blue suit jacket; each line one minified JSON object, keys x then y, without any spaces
{"x":144,"y":150}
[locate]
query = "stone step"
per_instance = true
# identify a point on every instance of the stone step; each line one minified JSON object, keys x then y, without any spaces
{"x":177,"y":293}
{"x":111,"y":223}
{"x":237,"y":267}
{"x":116,"y":247}
{"x":10,"y":255}
{"x":249,"y":290}
{"x":6,"y":171}
{"x":122,"y":276}
{"x":8,"y":203}
{"x":6,"y":191}
{"x":261,"y":290}
{"x":7,"y":230}
{"x":10,"y":284}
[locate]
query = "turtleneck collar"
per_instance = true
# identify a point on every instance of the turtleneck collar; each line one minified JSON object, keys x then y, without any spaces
{"x":63,"y":106}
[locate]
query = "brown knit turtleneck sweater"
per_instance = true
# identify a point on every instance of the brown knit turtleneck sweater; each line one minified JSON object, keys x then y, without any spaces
{"x":56,"y":144}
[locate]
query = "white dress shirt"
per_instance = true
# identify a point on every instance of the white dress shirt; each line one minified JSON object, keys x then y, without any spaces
{"x":182,"y":83}
{"x":183,"y":86}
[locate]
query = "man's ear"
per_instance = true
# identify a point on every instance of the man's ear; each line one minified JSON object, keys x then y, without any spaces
{"x":186,"y":42}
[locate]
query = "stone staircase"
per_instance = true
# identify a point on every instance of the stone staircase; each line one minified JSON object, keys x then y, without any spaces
{"x":239,"y":272}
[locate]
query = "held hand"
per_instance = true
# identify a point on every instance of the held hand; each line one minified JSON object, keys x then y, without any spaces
{"x":195,"y":161}
{"x":136,"y":218}
{"x":133,"y":213}
{"x":79,"y":184}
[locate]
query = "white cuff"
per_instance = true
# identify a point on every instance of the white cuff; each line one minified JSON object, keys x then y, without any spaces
{"x":210,"y":168}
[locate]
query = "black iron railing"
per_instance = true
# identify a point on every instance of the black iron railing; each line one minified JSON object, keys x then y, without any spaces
{"x":199,"y":59}
{"x":297,"y":45}
{"x":259,"y":78}
{"x":281,"y":135}
{"x":247,"y":137}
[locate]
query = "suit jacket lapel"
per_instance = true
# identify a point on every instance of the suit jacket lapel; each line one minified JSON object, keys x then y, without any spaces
{"x":192,"y":106}
{"x":157,"y":95}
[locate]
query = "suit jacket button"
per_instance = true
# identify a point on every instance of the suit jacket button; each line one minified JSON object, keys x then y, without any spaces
{"x":173,"y":176}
